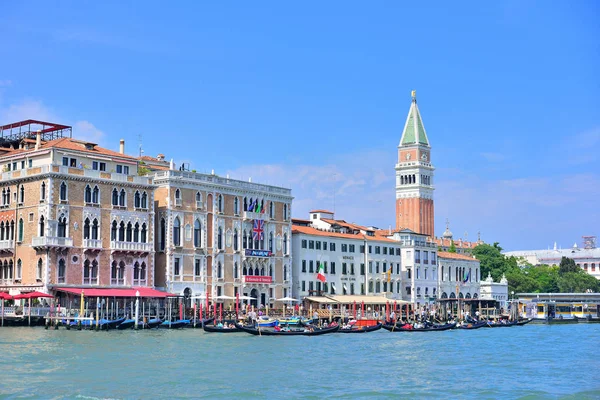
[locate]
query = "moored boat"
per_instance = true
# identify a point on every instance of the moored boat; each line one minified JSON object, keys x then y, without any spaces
{"x":501,"y":324}
{"x":127,"y":324}
{"x":411,"y":328}
{"x":473,"y":325}
{"x":288,"y":332}
{"x":181,"y":323}
{"x":153,"y":323}
{"x":524,"y":321}
{"x":361,"y":329}
{"x":221,"y":329}
{"x":201,"y":322}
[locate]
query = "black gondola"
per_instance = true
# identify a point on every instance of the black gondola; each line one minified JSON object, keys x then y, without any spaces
{"x":433,"y":328}
{"x":218,"y":329}
{"x":524,"y":322}
{"x":272,"y":332}
{"x":501,"y":325}
{"x":181,"y":323}
{"x":362,"y":329}
{"x":475,"y":325}
{"x":112,"y":324}
{"x":201,"y":322}
{"x":153,"y":323}
{"x":127,"y":324}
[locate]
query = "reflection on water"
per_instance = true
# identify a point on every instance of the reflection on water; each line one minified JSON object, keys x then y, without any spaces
{"x":486,"y":363}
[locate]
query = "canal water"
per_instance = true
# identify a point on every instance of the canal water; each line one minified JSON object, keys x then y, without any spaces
{"x":533,"y":361}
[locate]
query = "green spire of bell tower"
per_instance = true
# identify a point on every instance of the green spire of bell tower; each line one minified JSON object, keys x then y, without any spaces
{"x":414,"y":131}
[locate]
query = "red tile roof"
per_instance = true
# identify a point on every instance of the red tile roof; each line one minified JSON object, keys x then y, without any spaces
{"x":73,"y":144}
{"x":320,"y":211}
{"x":455,"y":256}
{"x":316,"y":232}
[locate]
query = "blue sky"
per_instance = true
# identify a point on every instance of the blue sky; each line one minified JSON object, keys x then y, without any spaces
{"x":314,"y":97}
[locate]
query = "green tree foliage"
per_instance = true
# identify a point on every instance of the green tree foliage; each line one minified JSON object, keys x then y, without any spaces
{"x":567,"y":265}
{"x":526,"y":278}
{"x":452,"y":248}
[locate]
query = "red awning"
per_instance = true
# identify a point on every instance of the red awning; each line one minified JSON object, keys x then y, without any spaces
{"x":32,"y":295}
{"x":97,"y":292}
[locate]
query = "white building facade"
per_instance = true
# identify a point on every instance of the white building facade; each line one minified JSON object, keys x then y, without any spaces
{"x":458,"y":276}
{"x":586,"y":258}
{"x":490,"y":290}
{"x":356,"y":261}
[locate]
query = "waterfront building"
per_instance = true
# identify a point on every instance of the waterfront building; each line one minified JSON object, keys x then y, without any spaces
{"x":399,"y":265}
{"x":459,"y":276}
{"x":73,"y":214}
{"x":220,"y":237}
{"x":355,"y":260}
{"x":587,"y":257}
{"x":414,"y":176}
{"x":490,"y":290}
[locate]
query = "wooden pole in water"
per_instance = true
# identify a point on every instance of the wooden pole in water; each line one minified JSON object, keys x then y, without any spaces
{"x":137,"y":309}
{"x":98,"y":309}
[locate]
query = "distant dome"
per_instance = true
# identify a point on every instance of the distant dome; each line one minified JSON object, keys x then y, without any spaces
{"x":447,"y":234}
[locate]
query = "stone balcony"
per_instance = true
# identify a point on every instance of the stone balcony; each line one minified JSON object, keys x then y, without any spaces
{"x":51,"y":241}
{"x":92,"y":244}
{"x":7,"y":246}
{"x":131,"y":247}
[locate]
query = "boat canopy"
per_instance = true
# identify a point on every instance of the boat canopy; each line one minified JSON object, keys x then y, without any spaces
{"x":107,"y":292}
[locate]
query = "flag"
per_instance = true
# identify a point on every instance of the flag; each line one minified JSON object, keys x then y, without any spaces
{"x":257,"y":209}
{"x":389,"y":275}
{"x":257,"y":230}
{"x":262,"y":210}
{"x":466,"y":276}
{"x":251,"y":205}
{"x":321,"y":273}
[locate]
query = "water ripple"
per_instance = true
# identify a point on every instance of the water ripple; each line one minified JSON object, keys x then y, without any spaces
{"x":530,"y":362}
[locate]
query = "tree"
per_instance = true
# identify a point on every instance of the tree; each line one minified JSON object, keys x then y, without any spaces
{"x":567,"y":265}
{"x":452,"y":248}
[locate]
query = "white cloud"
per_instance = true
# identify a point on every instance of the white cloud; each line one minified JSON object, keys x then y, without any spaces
{"x":85,"y":130}
{"x":27,"y":109}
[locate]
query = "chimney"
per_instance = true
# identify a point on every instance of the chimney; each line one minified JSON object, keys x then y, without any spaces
{"x":38,"y":139}
{"x":160,"y":157}
{"x":122,"y":146}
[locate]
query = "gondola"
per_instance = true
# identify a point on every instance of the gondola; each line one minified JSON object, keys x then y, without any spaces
{"x":500,"y":325}
{"x":443,"y":327}
{"x":473,"y":325}
{"x":153,"y":323}
{"x":201,"y":322}
{"x":112,"y":324}
{"x":362,"y":329}
{"x":181,"y":323}
{"x":272,"y":332}
{"x":127,"y":324}
{"x":524,"y":321}
{"x":219,"y":329}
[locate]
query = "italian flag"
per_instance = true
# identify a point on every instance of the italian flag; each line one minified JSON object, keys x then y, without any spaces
{"x":321,"y":273}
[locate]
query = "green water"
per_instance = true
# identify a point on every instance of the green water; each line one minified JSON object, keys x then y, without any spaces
{"x":533,"y":361}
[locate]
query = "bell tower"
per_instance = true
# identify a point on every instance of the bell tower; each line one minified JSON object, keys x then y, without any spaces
{"x":414,"y":176}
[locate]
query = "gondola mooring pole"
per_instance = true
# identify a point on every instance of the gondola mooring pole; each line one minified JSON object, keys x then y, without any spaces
{"x":137,"y":309}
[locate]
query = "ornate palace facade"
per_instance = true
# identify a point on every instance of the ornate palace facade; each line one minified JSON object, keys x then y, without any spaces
{"x":73,"y":214}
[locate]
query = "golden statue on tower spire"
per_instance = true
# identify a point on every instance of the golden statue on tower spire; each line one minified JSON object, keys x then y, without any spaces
{"x":414,"y":95}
